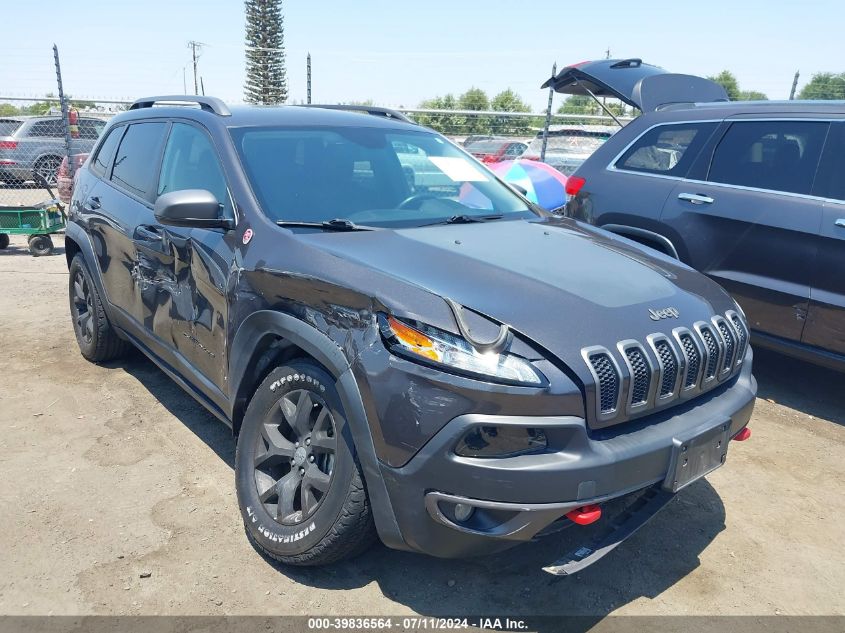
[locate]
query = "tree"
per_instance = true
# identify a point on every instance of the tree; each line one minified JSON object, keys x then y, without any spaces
{"x":728,"y":81}
{"x":443,"y":123}
{"x":579,"y":104}
{"x":266,"y":76}
{"x":474,"y":99}
{"x":509,"y":101}
{"x":824,"y":86}
{"x":752,"y":95}
{"x":7,"y":109}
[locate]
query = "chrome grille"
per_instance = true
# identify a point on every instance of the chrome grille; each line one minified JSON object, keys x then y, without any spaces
{"x":670,"y":367}
{"x":641,"y":375}
{"x":730,"y":345}
{"x":608,"y":381}
{"x":693,"y":360}
{"x":712,"y":350}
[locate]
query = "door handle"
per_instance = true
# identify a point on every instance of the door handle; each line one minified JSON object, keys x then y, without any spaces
{"x":92,"y":204}
{"x":148,"y":233}
{"x":840,"y":223}
{"x":695,"y":198}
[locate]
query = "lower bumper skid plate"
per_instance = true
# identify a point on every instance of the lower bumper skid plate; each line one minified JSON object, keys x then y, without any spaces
{"x":617,"y":530}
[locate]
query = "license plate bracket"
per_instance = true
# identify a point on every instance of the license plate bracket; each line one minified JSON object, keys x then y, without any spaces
{"x":695,"y":456}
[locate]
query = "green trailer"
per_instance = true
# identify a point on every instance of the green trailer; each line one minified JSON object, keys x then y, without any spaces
{"x":38,"y":221}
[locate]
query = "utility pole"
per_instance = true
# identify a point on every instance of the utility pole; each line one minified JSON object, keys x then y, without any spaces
{"x":548,"y":115}
{"x":794,"y":86}
{"x":184,"y":82}
{"x":195,"y":47}
{"x":309,"y":79}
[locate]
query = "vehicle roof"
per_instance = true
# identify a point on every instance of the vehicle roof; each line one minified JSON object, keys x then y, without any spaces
{"x":734,"y":108}
{"x":582,"y":128}
{"x":285,"y":115}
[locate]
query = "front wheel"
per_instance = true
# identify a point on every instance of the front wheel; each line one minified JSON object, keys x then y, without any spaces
{"x":299,"y":483}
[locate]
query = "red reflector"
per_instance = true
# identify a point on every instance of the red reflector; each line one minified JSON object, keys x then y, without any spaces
{"x":8,"y":144}
{"x":743,"y":435}
{"x":574,"y":184}
{"x":585,"y":515}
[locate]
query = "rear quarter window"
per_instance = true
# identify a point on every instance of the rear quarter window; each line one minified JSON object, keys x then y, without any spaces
{"x":666,"y":149}
{"x":104,"y":155}
{"x":8,"y":127}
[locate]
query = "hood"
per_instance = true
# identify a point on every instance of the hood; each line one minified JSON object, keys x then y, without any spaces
{"x":560,"y":284}
{"x":641,"y":85}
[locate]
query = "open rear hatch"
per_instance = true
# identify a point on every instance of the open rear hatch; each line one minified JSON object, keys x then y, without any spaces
{"x":641,"y":85}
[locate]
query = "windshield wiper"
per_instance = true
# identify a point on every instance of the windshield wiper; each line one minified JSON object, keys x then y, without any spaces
{"x":465,"y":219}
{"x":336,"y":224}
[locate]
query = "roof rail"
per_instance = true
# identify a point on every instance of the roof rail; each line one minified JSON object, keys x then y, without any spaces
{"x":209,"y":104}
{"x":373,"y":110}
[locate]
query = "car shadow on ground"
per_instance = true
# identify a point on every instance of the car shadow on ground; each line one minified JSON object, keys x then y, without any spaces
{"x":510,"y":583}
{"x":22,"y":249}
{"x":799,"y":385}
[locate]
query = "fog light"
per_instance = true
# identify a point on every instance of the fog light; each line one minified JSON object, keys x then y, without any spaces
{"x":463,"y":512}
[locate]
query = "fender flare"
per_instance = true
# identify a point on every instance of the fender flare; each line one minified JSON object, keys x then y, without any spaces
{"x":267,"y":323}
{"x":634,"y":232}
{"x":77,"y":235}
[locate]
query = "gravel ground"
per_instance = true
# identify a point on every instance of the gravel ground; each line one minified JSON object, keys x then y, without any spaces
{"x":118,"y":498}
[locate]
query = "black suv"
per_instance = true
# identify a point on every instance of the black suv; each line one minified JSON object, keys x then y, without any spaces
{"x":442,"y":364}
{"x":750,"y":193}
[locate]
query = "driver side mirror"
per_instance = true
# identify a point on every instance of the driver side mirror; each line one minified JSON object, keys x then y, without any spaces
{"x":196,"y":208}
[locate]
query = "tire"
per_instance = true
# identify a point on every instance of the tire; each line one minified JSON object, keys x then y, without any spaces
{"x":305,"y":526}
{"x":4,"y":241}
{"x":98,"y":342}
{"x":40,"y":245}
{"x":48,"y":168}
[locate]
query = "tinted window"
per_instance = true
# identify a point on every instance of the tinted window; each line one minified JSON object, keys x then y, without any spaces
{"x":666,"y":149}
{"x":137,"y":157}
{"x":51,"y":128}
{"x":777,"y":155}
{"x":101,"y":162}
{"x":368,"y":175}
{"x":91,"y":128}
{"x":190,"y":162}
{"x":830,"y":181}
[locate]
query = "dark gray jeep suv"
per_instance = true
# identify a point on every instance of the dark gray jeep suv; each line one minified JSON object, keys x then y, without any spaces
{"x":750,"y":193}
{"x":434,"y":361}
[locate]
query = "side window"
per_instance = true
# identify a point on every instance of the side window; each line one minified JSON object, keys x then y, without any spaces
{"x":91,"y":128}
{"x":136,"y":162}
{"x":50,"y":128}
{"x":830,"y":181}
{"x":190,"y":162}
{"x":666,"y":149}
{"x":102,"y":160}
{"x":776,"y":155}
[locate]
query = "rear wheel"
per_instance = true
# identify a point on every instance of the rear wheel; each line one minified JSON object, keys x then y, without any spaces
{"x":40,"y":245}
{"x":97,"y":340}
{"x":4,"y":240}
{"x":48,"y":168}
{"x":299,"y":483}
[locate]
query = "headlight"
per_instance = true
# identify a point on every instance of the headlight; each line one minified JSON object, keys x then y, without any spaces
{"x":454,"y":353}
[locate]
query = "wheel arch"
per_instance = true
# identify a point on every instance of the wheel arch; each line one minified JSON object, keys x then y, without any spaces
{"x":267,"y":338}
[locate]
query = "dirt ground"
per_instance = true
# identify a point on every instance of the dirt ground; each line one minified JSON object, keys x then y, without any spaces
{"x":111,"y":472}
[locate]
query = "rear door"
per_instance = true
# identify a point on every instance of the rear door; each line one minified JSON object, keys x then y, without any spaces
{"x":826,"y":319}
{"x":752,"y":223}
{"x":121,"y":206}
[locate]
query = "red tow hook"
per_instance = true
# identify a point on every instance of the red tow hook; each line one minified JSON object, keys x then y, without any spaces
{"x":584,"y":515}
{"x":743,"y":435}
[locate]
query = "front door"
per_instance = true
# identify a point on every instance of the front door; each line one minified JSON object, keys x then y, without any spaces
{"x":195,"y":263}
{"x":752,"y":224}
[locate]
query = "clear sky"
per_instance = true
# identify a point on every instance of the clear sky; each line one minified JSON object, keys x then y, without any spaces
{"x":398,"y":53}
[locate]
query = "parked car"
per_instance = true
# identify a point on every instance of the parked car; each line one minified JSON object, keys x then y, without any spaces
{"x":37,"y":143}
{"x":567,"y":146}
{"x":750,"y":193}
{"x":64,"y":178}
{"x":392,"y":360}
{"x":496,"y":150}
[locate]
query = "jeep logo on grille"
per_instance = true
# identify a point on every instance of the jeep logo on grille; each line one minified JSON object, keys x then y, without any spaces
{"x":665,"y":313}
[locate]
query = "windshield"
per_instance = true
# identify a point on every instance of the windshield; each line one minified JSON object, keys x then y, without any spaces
{"x":574,"y":142}
{"x":370,"y":176}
